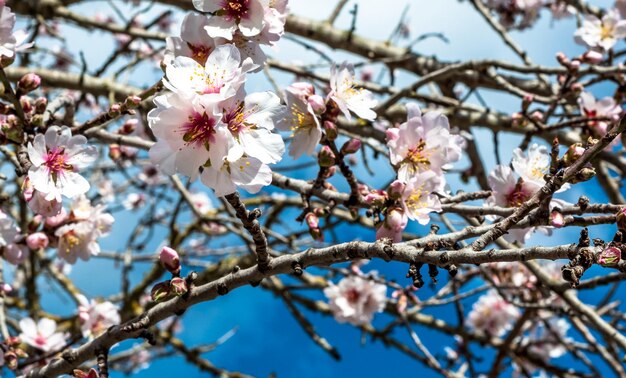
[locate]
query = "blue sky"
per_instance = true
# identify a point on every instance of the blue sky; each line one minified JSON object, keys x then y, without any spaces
{"x":268,"y":339}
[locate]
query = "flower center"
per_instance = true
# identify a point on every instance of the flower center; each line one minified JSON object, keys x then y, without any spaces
{"x":518,"y":196}
{"x":418,"y":156}
{"x":302,"y":121}
{"x":71,"y":241}
{"x":606,"y":31}
{"x":56,"y":162}
{"x":199,"y":130}
{"x":353,"y":295}
{"x":235,"y":119}
{"x":236,"y":9}
{"x":40,"y":340}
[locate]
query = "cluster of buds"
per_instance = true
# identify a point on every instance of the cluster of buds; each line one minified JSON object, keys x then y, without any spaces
{"x":12,"y":352}
{"x":572,"y":65}
{"x":28,"y":83}
{"x":165,"y":290}
{"x":33,"y":109}
{"x":175,"y":287}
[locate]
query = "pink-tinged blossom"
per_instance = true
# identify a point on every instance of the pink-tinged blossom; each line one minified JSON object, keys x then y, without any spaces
{"x":418,"y":197}
{"x":189,"y":134}
{"x":79,"y":239}
{"x":507,"y":190}
{"x":545,"y":340}
{"x":347,"y":97}
{"x":232,"y":15}
{"x":605,"y":108}
{"x":518,"y":14}
{"x":356,"y":299}
{"x":56,"y":159}
{"x":42,"y":335}
{"x":492,"y":314}
{"x":251,"y":122}
{"x":301,"y":120}
{"x":246,"y":172}
{"x":601,"y":33}
{"x":11,"y":41}
{"x":193,"y":41}
{"x":202,"y":202}
{"x":219,"y":78}
{"x":76,"y":241}
{"x":96,"y":317}
{"x":423,"y":143}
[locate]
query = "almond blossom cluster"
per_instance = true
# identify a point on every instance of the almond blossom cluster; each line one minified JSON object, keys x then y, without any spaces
{"x":310,"y":114}
{"x":247,"y":25}
{"x":512,"y":187}
{"x":207,"y":126}
{"x":421,"y":149}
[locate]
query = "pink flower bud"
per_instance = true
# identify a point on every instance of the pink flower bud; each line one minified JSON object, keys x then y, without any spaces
{"x":178,"y":286}
{"x":527,"y":100}
{"x":331,"y":130}
{"x":351,"y":146}
{"x":396,"y":189}
{"x":115,"y":152}
{"x":561,"y":58}
{"x":311,"y":220}
{"x":133,"y":100}
{"x":593,"y":57}
{"x":610,"y":256}
{"x":115,"y":110}
{"x":317,"y":104}
{"x":557,"y":219}
{"x":37,"y":241}
{"x":170,"y":260}
{"x":29,"y":83}
{"x":537,"y":115}
{"x":574,"y":65}
{"x":326,"y":157}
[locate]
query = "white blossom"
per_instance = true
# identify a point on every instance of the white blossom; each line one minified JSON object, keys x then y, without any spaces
{"x":356,"y":299}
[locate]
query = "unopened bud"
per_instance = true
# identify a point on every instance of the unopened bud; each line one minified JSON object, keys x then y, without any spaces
{"x":115,"y":110}
{"x":557,"y":219}
{"x":326,"y":157}
{"x":574,"y":152}
{"x":593,"y":57}
{"x":178,"y":286}
{"x":160,"y":291}
{"x":132,"y":101}
{"x":40,"y":105}
{"x":562,"y":59}
{"x":585,"y":174}
{"x":331,"y":130}
{"x":526,"y":101}
{"x":115,"y":152}
{"x":170,"y":260}
{"x":351,"y":146}
{"x":396,"y":189}
{"x":29,"y":83}
{"x":37,"y":241}
{"x":312,"y":220}
{"x":611,"y":256}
